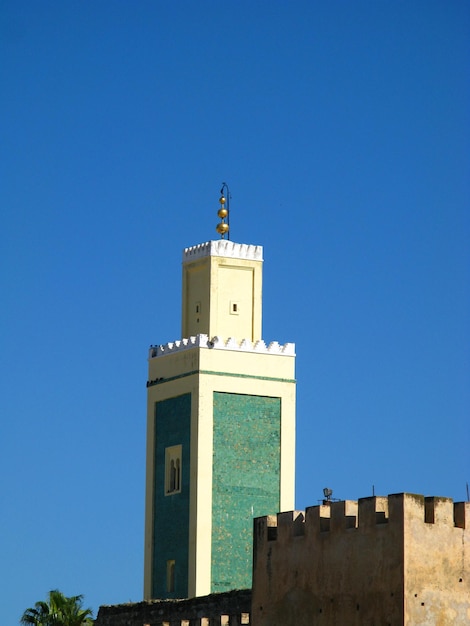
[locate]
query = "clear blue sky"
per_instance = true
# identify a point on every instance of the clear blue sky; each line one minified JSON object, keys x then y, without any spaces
{"x":342,"y":129}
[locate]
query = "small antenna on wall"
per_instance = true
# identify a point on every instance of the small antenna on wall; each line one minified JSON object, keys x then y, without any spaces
{"x":328,"y":496}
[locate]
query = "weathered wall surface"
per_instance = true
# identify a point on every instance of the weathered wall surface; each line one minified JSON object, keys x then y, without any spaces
{"x":437,"y":562}
{"x":358,"y":563}
{"x":231,"y":609}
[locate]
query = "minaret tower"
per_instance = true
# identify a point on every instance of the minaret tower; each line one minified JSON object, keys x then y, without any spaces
{"x":220,"y":426}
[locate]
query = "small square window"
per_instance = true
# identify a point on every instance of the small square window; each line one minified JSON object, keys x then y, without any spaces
{"x":173,"y":470}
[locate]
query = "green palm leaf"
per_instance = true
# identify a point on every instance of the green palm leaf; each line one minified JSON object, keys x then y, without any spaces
{"x":59,"y":610}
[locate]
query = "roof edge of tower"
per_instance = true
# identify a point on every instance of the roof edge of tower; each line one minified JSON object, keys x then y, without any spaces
{"x":218,"y":343}
{"x":223,"y":248}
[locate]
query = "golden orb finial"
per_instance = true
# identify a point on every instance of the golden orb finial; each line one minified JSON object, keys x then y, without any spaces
{"x":223,"y":227}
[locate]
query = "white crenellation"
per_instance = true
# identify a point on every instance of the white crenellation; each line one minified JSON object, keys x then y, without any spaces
{"x":217,"y":343}
{"x":225,"y":248}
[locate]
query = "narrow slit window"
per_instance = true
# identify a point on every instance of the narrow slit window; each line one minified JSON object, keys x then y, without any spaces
{"x":172,"y":476}
{"x":170,"y":576}
{"x":234,"y":308}
{"x":177,"y":475}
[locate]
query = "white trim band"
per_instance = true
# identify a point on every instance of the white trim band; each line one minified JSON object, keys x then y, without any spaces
{"x":217,"y":343}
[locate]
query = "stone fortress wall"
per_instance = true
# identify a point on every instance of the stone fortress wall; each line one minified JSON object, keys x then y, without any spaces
{"x":401,"y":560}
{"x":221,"y":609}
{"x":396,"y":560}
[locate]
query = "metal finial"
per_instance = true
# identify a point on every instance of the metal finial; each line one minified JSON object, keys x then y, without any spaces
{"x":223,"y":227}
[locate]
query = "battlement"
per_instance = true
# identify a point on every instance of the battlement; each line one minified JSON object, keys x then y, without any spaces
{"x":217,"y":343}
{"x":363,"y":515}
{"x":225,"y":248}
{"x":399,"y":559}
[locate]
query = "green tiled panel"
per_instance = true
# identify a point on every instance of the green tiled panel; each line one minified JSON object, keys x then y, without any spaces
{"x":171,"y":527}
{"x":246,"y":473}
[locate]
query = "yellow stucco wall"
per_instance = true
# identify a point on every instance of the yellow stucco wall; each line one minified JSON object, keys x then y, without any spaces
{"x":222,"y":296}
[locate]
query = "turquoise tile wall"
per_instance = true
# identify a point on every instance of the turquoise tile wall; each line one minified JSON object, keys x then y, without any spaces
{"x":246,"y":475}
{"x":171,"y":525}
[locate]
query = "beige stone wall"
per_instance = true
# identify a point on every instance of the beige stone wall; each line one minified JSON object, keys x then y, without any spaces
{"x":360,"y":563}
{"x":437,"y":561}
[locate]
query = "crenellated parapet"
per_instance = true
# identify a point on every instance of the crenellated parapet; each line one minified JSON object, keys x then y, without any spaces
{"x":225,"y":248}
{"x":364,"y":515}
{"x":218,"y":343}
{"x":400,"y":559}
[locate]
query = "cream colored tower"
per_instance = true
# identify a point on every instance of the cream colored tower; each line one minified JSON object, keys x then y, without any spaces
{"x":222,"y":290}
{"x":220,"y":429}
